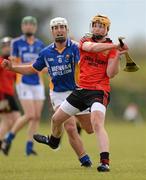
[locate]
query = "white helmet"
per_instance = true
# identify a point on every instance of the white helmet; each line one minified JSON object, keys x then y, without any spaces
{"x":58,"y":21}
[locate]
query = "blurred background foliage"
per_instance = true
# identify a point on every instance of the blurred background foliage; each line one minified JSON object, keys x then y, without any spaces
{"x":11,"y":15}
{"x":126,"y":87}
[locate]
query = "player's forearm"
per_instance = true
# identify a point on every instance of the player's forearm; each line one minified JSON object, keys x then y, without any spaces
{"x":23,"y":69}
{"x":97,"y":47}
{"x":113,"y":67}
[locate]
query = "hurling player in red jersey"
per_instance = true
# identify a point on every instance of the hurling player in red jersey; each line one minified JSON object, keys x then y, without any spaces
{"x":99,"y":61}
{"x":9,"y":111}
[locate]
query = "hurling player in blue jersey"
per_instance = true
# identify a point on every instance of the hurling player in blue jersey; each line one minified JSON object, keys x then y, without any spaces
{"x":30,"y":89}
{"x":60,"y":58}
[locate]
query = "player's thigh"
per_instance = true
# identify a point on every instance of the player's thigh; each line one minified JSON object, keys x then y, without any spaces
{"x":85,"y":121}
{"x":38,"y":99}
{"x":38,"y":92}
{"x":15,"y":115}
{"x":57,"y":98}
{"x":98,"y":111}
{"x":60,"y":117}
{"x":70,"y":124}
{"x":25,"y":95}
{"x":97,"y":119}
{"x":24,"y":91}
{"x":28,"y":108}
{"x":7,"y":120}
{"x":38,"y":105}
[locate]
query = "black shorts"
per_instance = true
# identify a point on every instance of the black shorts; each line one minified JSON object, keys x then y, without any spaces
{"x":83,"y":98}
{"x":8,"y":103}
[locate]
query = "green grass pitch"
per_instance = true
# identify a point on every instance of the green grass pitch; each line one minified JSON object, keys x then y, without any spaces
{"x":128,"y":157}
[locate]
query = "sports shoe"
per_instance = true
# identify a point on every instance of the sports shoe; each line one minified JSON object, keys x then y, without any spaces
{"x":41,"y":139}
{"x":32,"y":153}
{"x":103,"y":168}
{"x":85,"y":161}
{"x":5,"y":147}
{"x":87,"y":164}
{"x":50,"y":141}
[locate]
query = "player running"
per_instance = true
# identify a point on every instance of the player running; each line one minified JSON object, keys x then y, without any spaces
{"x":60,"y":58}
{"x":30,"y":89}
{"x":99,"y":61}
{"x":9,"y":110}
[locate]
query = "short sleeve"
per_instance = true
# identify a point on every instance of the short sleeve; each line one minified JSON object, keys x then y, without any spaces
{"x":82,"y":40}
{"x":76,"y":53}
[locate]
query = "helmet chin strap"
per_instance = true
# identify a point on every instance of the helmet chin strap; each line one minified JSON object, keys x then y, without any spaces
{"x":97,"y":37}
{"x":29,"y":34}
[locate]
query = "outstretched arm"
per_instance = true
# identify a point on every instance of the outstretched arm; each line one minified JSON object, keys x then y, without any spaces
{"x":97,"y":47}
{"x":21,"y":69}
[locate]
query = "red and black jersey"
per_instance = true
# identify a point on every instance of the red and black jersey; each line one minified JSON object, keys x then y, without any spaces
{"x":7,"y":80}
{"x":93,"y":67}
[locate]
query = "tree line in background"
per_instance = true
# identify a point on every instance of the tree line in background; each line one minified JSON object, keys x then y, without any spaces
{"x":12,"y":14}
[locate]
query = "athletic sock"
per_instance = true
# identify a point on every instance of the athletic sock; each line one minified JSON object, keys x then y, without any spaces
{"x":29,"y":147}
{"x":0,"y":144}
{"x":84,"y":159}
{"x":10,"y":137}
{"x":104,"y":158}
{"x":54,"y":142}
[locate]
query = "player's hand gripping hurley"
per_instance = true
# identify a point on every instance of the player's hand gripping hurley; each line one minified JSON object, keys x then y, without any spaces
{"x":130,"y":64}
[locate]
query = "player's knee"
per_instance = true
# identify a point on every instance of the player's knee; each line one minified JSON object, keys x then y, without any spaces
{"x":55,"y":119}
{"x":70,"y":129}
{"x":97,"y":121}
{"x":97,"y":126}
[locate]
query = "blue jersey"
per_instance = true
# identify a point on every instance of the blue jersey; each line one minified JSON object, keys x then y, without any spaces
{"x":27,"y":54}
{"x":61,"y":65}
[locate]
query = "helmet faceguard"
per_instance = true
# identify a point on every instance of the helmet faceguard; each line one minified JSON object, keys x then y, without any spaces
{"x":60,"y":39}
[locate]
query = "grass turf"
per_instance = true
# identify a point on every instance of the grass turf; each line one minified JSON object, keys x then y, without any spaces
{"x":128,"y":157}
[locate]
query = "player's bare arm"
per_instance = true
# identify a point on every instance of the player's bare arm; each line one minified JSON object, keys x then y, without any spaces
{"x":97,"y":47}
{"x":21,"y":69}
{"x":113,"y":63}
{"x":113,"y":66}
